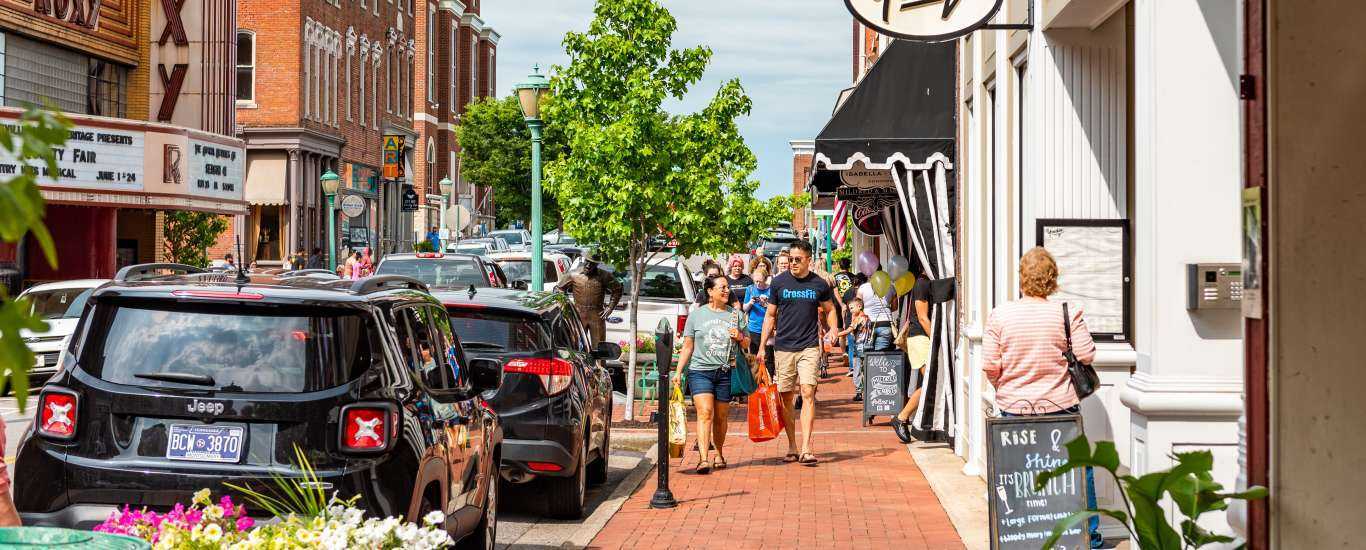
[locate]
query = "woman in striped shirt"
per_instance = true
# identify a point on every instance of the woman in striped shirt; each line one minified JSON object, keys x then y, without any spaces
{"x":1023,"y":349}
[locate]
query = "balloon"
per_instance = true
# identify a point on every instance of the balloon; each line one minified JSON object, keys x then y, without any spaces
{"x":897,"y":266}
{"x":905,"y":283}
{"x":867,"y":263}
{"x":881,"y":282}
{"x":891,"y":293}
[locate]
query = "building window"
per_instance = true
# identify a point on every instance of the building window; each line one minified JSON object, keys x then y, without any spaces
{"x":431,"y":54}
{"x":246,"y":66}
{"x":36,"y":73}
{"x":474,"y":69}
{"x":455,"y":63}
{"x":491,"y":81}
{"x":364,"y":53}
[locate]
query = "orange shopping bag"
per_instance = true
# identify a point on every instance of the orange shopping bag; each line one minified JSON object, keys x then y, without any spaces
{"x":765,"y":412}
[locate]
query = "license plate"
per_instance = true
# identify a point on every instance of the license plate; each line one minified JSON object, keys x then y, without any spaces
{"x":205,"y":443}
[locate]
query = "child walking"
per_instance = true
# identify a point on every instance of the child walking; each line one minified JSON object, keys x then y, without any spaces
{"x":863,"y":336}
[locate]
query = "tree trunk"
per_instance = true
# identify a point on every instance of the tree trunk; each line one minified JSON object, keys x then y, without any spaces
{"x":629,"y":413}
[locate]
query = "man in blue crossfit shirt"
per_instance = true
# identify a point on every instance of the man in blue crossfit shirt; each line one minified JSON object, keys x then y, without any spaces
{"x":798,"y":300}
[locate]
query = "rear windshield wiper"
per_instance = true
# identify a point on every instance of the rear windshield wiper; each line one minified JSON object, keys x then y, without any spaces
{"x":178,"y":377}
{"x":481,"y":345}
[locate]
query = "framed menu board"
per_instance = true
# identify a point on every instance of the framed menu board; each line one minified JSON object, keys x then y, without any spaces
{"x":1094,"y":271}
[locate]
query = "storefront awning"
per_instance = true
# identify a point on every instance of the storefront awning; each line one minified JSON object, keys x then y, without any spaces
{"x":902,"y":111}
{"x":266,"y":171}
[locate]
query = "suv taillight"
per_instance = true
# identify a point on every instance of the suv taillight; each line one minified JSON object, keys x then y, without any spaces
{"x":367,"y":427}
{"x":58,"y":409}
{"x":555,"y":374}
{"x":682,"y":322}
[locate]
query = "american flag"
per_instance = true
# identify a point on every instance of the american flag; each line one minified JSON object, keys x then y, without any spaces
{"x":837,"y":229}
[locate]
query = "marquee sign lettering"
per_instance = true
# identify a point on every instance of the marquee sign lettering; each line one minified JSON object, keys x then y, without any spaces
{"x":924,"y":20}
{"x":82,"y":13}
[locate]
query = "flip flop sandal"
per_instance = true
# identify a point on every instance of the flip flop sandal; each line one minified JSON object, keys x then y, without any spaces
{"x":703,"y":468}
{"x":719,"y":463}
{"x":808,"y":459}
{"x":791,"y":457}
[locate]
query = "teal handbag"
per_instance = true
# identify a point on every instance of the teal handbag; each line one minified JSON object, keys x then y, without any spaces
{"x":741,"y":379}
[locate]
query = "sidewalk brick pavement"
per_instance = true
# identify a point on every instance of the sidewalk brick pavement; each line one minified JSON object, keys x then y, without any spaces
{"x":866,"y":492}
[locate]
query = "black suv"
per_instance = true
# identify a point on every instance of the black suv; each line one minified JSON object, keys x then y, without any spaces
{"x":178,"y":382}
{"x":555,"y":403}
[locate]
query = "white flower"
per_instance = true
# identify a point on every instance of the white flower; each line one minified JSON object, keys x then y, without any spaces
{"x":434,"y":517}
{"x":212,"y":532}
{"x":214,"y":512}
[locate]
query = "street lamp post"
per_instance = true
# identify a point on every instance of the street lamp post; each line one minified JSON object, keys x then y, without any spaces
{"x":445,"y":185}
{"x":529,"y":96}
{"x":330,"y":182}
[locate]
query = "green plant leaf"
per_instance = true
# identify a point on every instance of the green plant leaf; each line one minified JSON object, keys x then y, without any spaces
{"x":1079,"y":455}
{"x":1197,"y":536}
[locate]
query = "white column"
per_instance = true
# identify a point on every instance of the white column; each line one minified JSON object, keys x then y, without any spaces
{"x":1186,"y":393}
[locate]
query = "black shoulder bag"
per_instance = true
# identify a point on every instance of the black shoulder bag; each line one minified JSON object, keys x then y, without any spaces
{"x":1084,"y":377}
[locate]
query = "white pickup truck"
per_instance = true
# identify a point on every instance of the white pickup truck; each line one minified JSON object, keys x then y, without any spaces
{"x":666,"y":292}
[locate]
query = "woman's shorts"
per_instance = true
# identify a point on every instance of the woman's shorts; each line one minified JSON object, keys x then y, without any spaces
{"x":918,"y":351}
{"x":715,"y":382}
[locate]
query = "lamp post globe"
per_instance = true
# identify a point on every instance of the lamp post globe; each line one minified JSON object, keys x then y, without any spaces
{"x":330,"y":182}
{"x":529,"y":95}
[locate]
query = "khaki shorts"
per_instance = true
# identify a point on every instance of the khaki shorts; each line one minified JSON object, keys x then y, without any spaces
{"x":798,"y":367}
{"x":918,"y":351}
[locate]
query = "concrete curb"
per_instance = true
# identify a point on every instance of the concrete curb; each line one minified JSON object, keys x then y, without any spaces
{"x":599,"y":518}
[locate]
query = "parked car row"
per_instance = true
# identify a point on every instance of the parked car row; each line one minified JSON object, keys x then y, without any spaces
{"x":416,"y":389}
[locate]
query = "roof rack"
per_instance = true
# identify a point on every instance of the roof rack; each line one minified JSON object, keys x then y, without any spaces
{"x":376,"y":283}
{"x":139,"y":272}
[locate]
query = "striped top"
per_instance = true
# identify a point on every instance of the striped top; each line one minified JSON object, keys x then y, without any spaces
{"x":1022,"y":355}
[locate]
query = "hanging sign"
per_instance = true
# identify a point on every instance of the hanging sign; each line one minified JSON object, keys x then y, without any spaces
{"x":393,"y":157}
{"x":1021,"y":515}
{"x":924,"y":20}
{"x":868,"y":178}
{"x":353,"y":206}
{"x":409,"y":198}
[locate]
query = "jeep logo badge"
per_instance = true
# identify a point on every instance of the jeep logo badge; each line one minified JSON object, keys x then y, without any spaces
{"x":210,"y":407}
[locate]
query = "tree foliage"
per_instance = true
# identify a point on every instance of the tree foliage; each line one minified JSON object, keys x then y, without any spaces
{"x":633,"y":170}
{"x":190,"y":234}
{"x":35,"y":138}
{"x":495,"y":150}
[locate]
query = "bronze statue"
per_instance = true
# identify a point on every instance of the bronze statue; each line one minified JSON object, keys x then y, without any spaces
{"x":589,"y":284}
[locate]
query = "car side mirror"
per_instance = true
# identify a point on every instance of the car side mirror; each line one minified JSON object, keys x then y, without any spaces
{"x":607,"y":350}
{"x":520,"y":285}
{"x":485,"y":374}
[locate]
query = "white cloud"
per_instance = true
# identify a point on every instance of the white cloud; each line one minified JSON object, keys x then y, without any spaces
{"x":792,"y":56}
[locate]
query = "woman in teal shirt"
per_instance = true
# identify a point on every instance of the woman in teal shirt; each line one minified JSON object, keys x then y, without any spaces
{"x":710,"y":338}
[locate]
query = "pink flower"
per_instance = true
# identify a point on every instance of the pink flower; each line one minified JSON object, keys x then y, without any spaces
{"x":244,"y":523}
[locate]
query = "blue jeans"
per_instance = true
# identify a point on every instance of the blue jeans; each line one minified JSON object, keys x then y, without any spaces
{"x":855,"y":361}
{"x":1094,"y":522}
{"x":882,"y":339}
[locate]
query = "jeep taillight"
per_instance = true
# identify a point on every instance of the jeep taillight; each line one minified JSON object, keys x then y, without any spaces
{"x":57,"y":412}
{"x":555,"y":374}
{"x":367,"y":428}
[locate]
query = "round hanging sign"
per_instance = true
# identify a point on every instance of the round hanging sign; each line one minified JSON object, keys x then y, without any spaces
{"x":924,"y":20}
{"x":353,"y":206}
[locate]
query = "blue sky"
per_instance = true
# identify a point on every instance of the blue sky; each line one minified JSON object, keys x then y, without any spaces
{"x":792,"y":56}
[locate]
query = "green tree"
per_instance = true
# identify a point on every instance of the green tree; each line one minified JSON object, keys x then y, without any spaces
{"x":35,"y":138}
{"x":633,"y":170}
{"x":495,"y":150}
{"x":190,"y":234}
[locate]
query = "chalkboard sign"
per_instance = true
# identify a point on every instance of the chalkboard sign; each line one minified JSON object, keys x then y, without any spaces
{"x":884,"y":386}
{"x":1018,"y":449}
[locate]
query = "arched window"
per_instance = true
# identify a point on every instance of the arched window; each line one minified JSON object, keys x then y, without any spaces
{"x":246,"y":65}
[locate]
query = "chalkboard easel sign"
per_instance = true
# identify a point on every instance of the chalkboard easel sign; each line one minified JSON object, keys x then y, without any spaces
{"x":884,"y":384}
{"x":1018,"y":449}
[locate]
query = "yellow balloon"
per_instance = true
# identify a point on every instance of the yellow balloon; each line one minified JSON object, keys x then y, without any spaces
{"x":904,"y":284}
{"x":882,"y":282}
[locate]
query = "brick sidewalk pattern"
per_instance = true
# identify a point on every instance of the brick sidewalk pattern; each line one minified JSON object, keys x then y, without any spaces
{"x":866,"y":492}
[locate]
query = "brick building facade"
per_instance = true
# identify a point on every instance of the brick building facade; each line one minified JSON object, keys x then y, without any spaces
{"x":148,"y":88}
{"x":322,"y":86}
